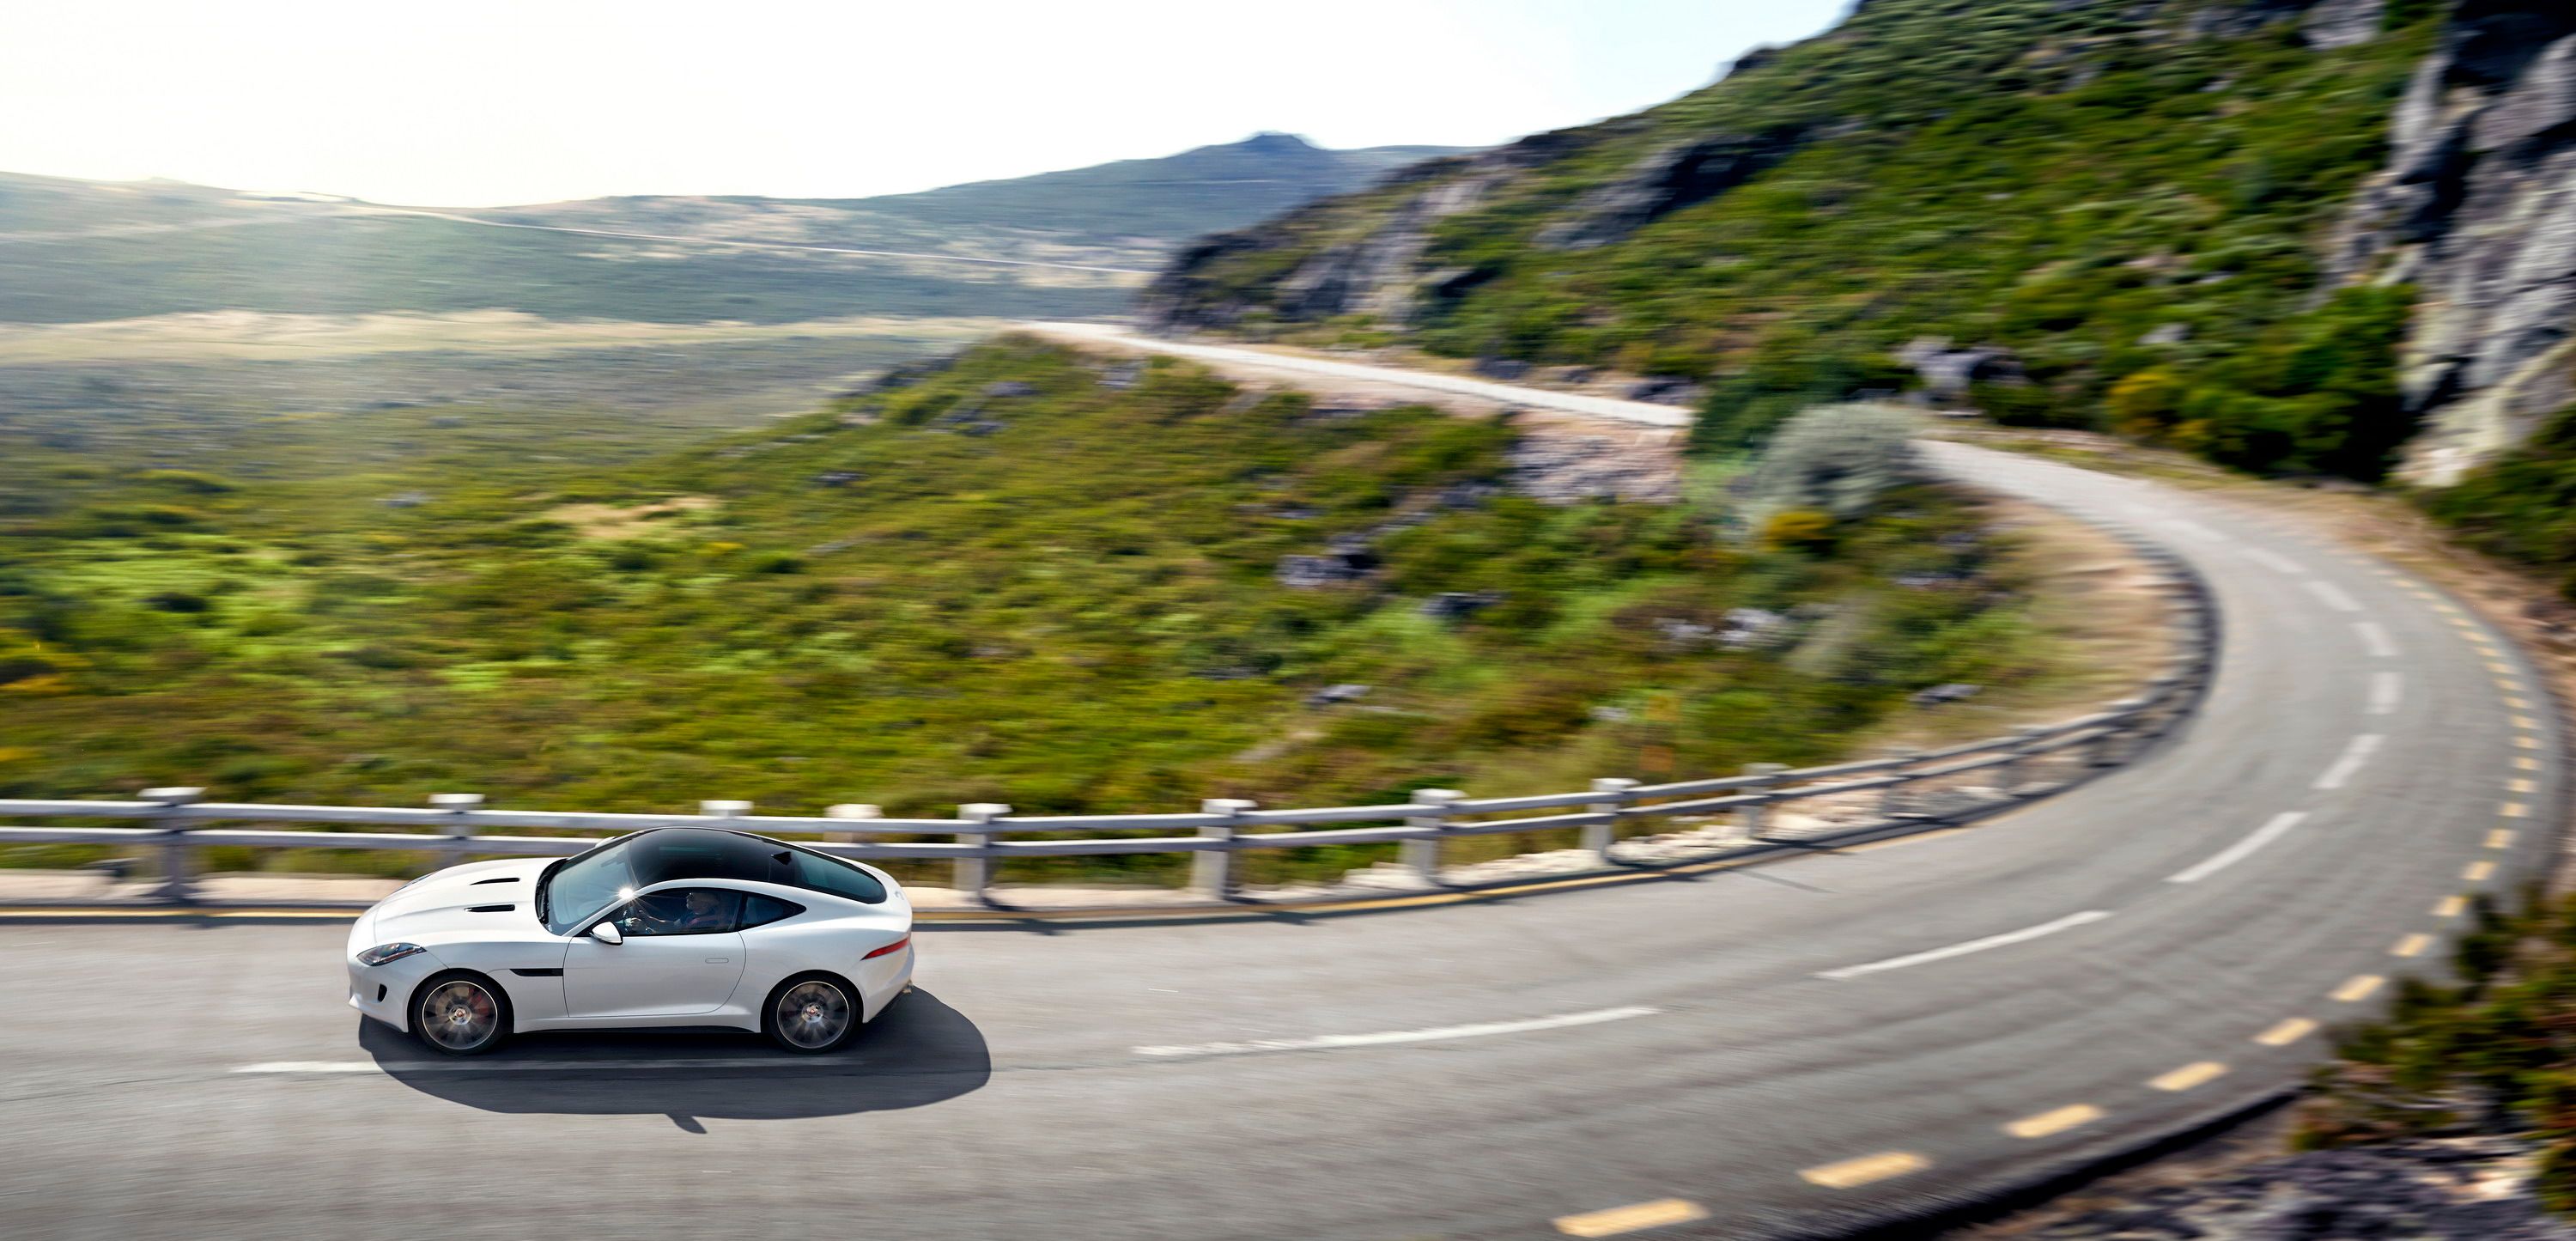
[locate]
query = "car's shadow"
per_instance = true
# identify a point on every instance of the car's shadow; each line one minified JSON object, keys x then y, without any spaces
{"x":918,"y":1052}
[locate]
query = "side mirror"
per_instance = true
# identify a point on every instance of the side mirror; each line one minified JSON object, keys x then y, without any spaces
{"x":607,"y":933}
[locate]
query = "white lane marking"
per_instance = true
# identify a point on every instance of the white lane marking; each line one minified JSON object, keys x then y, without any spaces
{"x":2354,"y":755}
{"x":2387,"y":689}
{"x":2274,"y":561}
{"x":2375,"y":638}
{"x":2334,"y":597}
{"x":2242,"y":849}
{"x":406,"y":1067}
{"x":2183,"y":525}
{"x":1327,"y":1042}
{"x":1975,"y":945}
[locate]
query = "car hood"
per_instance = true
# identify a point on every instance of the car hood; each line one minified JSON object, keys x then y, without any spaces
{"x":486,"y":900}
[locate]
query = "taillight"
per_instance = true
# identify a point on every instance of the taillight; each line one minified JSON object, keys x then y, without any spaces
{"x":896,"y":946}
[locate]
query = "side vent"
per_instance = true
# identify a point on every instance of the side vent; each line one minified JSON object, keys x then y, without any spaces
{"x":489,"y":909}
{"x":503,"y":879}
{"x":538,"y":973}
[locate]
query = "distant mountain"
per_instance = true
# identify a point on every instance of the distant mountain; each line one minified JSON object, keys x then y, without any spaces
{"x":1247,"y":181}
{"x":73,"y":251}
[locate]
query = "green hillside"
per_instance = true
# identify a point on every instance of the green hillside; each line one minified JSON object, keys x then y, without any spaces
{"x":1021,"y":578}
{"x":2131,"y":199}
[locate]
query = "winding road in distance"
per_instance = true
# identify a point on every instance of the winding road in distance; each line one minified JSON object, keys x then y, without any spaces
{"x":1783,"y":1050}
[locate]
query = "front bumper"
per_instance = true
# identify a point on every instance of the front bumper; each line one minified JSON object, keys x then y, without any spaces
{"x":384,"y":991}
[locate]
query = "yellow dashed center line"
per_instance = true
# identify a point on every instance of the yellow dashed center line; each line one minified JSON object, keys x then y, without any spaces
{"x":2287,"y":1032}
{"x":2498,"y":668}
{"x":2518,"y":704}
{"x":2526,"y":764}
{"x":2451,"y":907}
{"x":2478,"y":872}
{"x":2527,"y":743}
{"x":2526,"y":723}
{"x":2358,"y":988}
{"x":2500,"y":838}
{"x":2514,"y":810}
{"x":2412,"y":946}
{"x":2190,"y":1075}
{"x":2519,"y":785}
{"x":2058,"y":1121}
{"x":1865,"y":1170}
{"x":1616,"y":1220}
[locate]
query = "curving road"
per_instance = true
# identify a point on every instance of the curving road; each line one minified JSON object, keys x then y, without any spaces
{"x":1787,"y":1050}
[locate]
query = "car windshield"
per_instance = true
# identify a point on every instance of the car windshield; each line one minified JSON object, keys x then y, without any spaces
{"x":573,"y":890}
{"x":576,"y":890}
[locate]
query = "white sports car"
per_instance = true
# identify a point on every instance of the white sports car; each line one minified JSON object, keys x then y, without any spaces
{"x":673,"y":926}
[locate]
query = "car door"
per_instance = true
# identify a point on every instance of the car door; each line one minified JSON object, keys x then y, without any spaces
{"x":683,"y":954}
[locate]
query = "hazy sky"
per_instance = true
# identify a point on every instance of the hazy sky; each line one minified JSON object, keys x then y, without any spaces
{"x":463,"y":103}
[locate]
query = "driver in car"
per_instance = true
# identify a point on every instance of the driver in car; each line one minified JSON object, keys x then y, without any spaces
{"x":705,"y":912}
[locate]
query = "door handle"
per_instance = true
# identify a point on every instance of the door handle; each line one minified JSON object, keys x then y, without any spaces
{"x":719,"y":960}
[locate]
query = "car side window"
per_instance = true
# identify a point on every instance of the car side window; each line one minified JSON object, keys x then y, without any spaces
{"x":758,"y":910}
{"x":823,"y":874}
{"x":682,"y":911}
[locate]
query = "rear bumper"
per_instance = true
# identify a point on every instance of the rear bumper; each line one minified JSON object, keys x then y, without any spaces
{"x":881,"y":980}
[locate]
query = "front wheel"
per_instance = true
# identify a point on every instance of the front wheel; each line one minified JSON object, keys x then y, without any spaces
{"x":811,"y":1015}
{"x":460,"y":1014}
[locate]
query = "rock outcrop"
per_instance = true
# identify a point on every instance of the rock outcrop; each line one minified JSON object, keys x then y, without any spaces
{"x":2477,"y":208}
{"x":1676,"y":176}
{"x":1379,"y":272}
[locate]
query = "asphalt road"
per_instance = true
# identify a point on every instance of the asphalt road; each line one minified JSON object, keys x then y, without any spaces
{"x":1775,"y":1051}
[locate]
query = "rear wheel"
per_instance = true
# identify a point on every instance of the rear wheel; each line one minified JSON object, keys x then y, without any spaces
{"x":460,"y":1014}
{"x":811,"y":1014}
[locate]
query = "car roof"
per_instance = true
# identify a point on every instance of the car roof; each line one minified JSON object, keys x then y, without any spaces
{"x":659,"y":856}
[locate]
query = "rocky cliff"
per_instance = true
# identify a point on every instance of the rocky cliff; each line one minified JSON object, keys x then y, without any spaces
{"x":2477,"y":208}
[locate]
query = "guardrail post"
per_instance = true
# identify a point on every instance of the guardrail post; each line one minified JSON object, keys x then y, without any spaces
{"x":460,"y":823}
{"x":975,"y":872}
{"x":1753,"y":816}
{"x":1423,"y":855}
{"x":852,"y":810}
{"x":175,"y":888}
{"x":1892,"y":800}
{"x":1598,"y":837}
{"x":2016,"y":770}
{"x":2129,"y":735}
{"x":724,"y":809}
{"x":1212,"y":870}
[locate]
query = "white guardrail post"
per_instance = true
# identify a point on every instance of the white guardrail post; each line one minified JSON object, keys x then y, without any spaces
{"x":1212,"y":870}
{"x":1422,"y":855}
{"x":1892,"y":800}
{"x":975,"y":872}
{"x":1598,"y":837}
{"x":460,"y":809}
{"x":852,"y":810}
{"x":1755,"y":817}
{"x":724,"y":809}
{"x":175,"y":888}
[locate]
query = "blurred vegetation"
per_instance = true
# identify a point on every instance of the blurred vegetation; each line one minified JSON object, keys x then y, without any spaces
{"x":2489,"y":1053}
{"x":2136,"y":212}
{"x":1008,"y":581}
{"x":2522,"y":506}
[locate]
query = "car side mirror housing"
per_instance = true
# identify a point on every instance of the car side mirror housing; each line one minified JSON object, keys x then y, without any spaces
{"x":607,"y":933}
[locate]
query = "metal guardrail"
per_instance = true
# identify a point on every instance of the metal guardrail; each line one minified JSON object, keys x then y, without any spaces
{"x":1910,"y":787}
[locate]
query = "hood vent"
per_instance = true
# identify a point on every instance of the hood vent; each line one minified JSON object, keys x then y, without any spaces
{"x":503,"y":879}
{"x":489,"y":909}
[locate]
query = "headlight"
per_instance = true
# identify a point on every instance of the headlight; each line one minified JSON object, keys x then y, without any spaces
{"x":383,"y":953}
